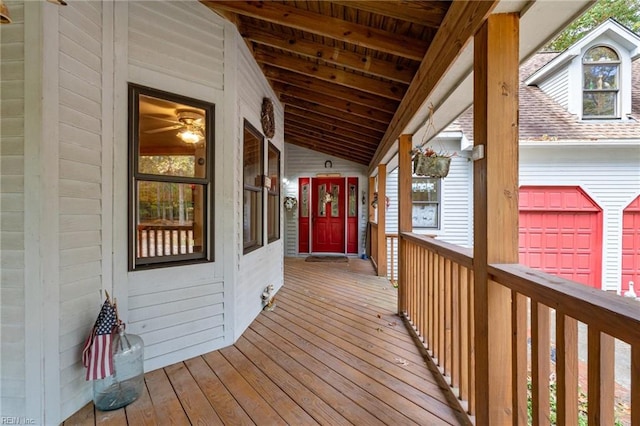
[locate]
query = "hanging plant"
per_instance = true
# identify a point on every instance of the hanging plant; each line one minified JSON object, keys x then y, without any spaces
{"x":426,"y":161}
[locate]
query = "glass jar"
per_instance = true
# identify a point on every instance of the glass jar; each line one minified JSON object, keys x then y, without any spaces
{"x":125,"y":385}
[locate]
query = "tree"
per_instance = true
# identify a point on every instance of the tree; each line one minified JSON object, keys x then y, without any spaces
{"x":626,"y":12}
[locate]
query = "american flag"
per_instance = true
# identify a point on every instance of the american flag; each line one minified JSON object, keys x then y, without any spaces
{"x":97,"y":355}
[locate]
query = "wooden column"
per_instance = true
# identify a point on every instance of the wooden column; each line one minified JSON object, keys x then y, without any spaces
{"x":495,"y":109}
{"x":382,"y":218}
{"x":404,"y":212}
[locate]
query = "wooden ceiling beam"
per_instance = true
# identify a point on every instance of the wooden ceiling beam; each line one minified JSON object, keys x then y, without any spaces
{"x":331,"y":113}
{"x":389,"y":90}
{"x":320,"y":86}
{"x":338,"y":29}
{"x":460,"y":24}
{"x":334,"y":122}
{"x":345,"y":107}
{"x":356,"y":141}
{"x":429,"y":14}
{"x":344,"y":154}
{"x":332,"y":55}
{"x":328,"y":143}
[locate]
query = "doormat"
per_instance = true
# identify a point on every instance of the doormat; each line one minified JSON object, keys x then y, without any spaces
{"x":326,"y":259}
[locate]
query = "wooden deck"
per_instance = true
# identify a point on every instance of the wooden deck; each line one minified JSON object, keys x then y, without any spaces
{"x":333,"y":352}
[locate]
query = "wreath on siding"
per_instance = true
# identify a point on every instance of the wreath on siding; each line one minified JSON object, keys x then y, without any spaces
{"x":267,"y":118}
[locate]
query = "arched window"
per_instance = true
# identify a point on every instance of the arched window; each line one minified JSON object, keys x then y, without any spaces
{"x":601,"y":66}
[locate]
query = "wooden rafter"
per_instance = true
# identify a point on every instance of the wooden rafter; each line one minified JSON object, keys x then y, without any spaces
{"x":330,"y":112}
{"x":320,"y":147}
{"x":320,"y":86}
{"x":390,"y":90}
{"x":355,"y":61}
{"x":338,"y":29}
{"x":335,"y":123}
{"x":342,"y":106}
{"x":430,"y":14}
{"x":356,"y":141}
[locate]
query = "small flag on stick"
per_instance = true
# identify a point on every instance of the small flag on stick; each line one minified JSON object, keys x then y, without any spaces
{"x":97,"y":354}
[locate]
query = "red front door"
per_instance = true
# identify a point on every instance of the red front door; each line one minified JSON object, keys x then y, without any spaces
{"x":328,"y":215}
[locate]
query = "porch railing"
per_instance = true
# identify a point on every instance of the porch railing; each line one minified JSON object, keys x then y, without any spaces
{"x":164,"y":240}
{"x":546,"y":311}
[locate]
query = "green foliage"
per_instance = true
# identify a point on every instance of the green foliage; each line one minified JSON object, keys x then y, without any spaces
{"x":583,"y":419}
{"x":627,"y":12}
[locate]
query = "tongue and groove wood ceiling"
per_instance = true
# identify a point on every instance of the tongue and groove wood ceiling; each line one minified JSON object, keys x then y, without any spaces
{"x":341,"y":68}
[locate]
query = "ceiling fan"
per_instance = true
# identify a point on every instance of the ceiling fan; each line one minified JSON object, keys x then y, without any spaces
{"x":189,"y":123}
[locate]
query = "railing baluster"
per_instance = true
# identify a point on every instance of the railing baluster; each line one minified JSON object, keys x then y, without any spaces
{"x":566,"y":368}
{"x":519,"y":323}
{"x":601,"y":377}
{"x":448,"y":314}
{"x":464,"y":334}
{"x":635,"y":383}
{"x":431,"y":301}
{"x":540,"y":357}
{"x":441,"y":311}
{"x":472,"y":339}
{"x":455,"y":321}
{"x":423,"y":295}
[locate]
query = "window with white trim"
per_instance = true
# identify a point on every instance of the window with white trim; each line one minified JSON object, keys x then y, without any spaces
{"x":601,"y":68}
{"x":425,"y":196}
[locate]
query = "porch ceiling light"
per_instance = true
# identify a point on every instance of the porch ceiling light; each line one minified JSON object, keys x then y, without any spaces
{"x":191,"y":134}
{"x":5,"y":18}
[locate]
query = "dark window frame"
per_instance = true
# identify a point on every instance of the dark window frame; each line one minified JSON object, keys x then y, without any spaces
{"x":134,"y":176}
{"x":257,"y":190}
{"x":273,"y":192}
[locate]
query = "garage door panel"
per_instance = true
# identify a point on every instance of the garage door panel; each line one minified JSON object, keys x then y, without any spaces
{"x":560,"y":233}
{"x":631,"y":245}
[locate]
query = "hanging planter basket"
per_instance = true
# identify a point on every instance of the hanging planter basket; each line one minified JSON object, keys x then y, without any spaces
{"x":435,"y":166}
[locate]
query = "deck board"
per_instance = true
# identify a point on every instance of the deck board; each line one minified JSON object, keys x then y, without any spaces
{"x":333,"y":352}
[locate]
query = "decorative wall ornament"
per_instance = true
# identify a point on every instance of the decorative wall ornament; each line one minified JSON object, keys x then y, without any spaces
{"x":267,"y":118}
{"x":290,"y":203}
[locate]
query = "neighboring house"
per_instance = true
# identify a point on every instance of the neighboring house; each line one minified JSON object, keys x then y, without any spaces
{"x":579,"y":164}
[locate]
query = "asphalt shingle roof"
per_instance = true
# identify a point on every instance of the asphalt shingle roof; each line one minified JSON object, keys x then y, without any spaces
{"x":542,"y":118}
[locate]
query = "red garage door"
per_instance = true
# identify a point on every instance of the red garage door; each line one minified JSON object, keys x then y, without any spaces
{"x":561,"y":233}
{"x":631,"y":245}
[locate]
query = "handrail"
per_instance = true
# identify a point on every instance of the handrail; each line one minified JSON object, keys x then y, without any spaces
{"x":436,"y":299}
{"x":616,"y":316}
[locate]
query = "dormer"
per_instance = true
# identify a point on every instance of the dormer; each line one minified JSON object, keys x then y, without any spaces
{"x":592,"y":78}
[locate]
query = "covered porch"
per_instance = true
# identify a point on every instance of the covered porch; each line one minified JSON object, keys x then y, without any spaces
{"x":333,"y":351}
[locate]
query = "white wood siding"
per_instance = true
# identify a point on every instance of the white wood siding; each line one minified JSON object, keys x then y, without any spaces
{"x":80,"y":173}
{"x":12,"y":280}
{"x":610,"y":176}
{"x":456,"y":202}
{"x":557,"y":87}
{"x":264,"y":266}
{"x":179,"y":39}
{"x":302,"y":162}
{"x":179,"y":312}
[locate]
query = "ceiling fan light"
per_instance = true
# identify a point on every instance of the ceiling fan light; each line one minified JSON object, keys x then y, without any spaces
{"x":190,"y":135}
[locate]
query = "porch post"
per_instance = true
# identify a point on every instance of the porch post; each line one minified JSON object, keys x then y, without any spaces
{"x":382,"y":218}
{"x":404,"y":212}
{"x":495,"y":110}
